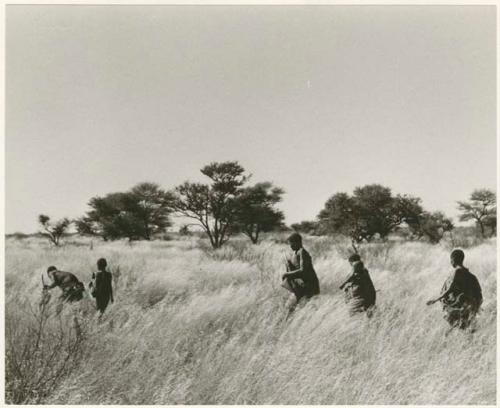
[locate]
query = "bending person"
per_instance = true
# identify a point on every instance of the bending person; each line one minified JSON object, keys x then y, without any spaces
{"x":72,"y":289}
{"x":358,"y":288}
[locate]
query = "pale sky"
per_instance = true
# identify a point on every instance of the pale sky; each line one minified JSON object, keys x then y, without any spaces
{"x":315,"y":99}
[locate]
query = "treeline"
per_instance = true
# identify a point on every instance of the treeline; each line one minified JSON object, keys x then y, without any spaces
{"x":373,"y":211}
{"x":227,"y":205}
{"x":224,"y":206}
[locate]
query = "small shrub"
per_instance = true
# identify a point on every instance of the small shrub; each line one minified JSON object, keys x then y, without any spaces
{"x":40,"y":353}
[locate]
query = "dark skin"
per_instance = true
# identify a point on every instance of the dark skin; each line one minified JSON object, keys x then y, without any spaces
{"x":61,"y":279}
{"x":455,"y":263}
{"x":348,"y":280}
{"x":295,"y":246}
{"x":102,"y":268}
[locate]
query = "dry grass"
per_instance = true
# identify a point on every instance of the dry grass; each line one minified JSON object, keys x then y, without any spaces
{"x":194,"y":327}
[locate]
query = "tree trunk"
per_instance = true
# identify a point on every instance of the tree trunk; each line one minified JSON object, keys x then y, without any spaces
{"x":482,"y":228}
{"x":354,"y":246}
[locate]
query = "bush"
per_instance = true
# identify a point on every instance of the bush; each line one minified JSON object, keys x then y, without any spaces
{"x":40,"y":353}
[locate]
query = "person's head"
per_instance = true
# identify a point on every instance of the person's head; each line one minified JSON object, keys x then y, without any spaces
{"x":354,"y":258}
{"x":457,"y":257}
{"x":51,"y":269}
{"x":295,"y":241}
{"x":101,"y":264}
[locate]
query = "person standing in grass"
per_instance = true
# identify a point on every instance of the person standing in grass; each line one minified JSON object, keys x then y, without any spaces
{"x":300,"y":278}
{"x":358,"y":288}
{"x":102,"y":289}
{"x":461,"y":295}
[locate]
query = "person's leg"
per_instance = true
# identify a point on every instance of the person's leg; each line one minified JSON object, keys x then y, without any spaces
{"x":356,"y":305}
{"x":291,"y":305}
{"x":102,"y":304}
{"x":472,"y":323}
{"x":465,"y":318}
{"x":453,"y":318}
{"x":59,"y":307}
{"x":99,"y":304}
{"x":370,"y":310}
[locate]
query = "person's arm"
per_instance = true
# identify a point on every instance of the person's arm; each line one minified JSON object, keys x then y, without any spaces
{"x":54,"y":283}
{"x":51,"y":286}
{"x":299,"y":272}
{"x":351,"y":278}
{"x":432,"y":301}
{"x":357,"y":272}
{"x":111,"y":288}
{"x":479,"y":291}
{"x":444,"y":294}
{"x":98,"y":282}
{"x":287,"y":263}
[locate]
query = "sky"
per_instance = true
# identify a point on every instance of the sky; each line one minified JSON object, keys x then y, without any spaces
{"x":316,"y":99}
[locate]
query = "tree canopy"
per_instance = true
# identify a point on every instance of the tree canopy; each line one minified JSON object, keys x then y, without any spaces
{"x":53,"y":231}
{"x":212,"y":205}
{"x":224,"y":205}
{"x":255,"y":211}
{"x":432,"y":225}
{"x":482,"y":209}
{"x":373,"y":210}
{"x":306,"y":227}
{"x":139,"y":213}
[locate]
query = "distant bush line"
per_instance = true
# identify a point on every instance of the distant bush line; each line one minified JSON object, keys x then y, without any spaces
{"x":227,"y":205}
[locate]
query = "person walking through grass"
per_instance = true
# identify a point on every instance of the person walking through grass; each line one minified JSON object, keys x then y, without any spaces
{"x":358,"y":288}
{"x":300,"y":277}
{"x":461,"y":294}
{"x":101,"y":287}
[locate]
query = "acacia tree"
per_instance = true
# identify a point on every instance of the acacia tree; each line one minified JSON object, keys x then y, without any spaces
{"x":374,"y":204}
{"x":213,"y":205}
{"x":255,"y":212}
{"x":105,"y":217}
{"x":431,"y":225}
{"x":491,"y":223}
{"x":152,"y":206}
{"x":481,"y":208}
{"x":341,"y":216}
{"x":306,"y":227}
{"x":371,"y":210}
{"x":137,"y":214}
{"x":407,"y":210}
{"x":53,"y":232}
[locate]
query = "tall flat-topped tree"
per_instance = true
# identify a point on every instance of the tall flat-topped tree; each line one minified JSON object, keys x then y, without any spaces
{"x":482,"y":208}
{"x":53,"y":231}
{"x":212,"y":205}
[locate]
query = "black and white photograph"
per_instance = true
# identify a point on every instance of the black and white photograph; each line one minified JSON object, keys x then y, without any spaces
{"x":250,"y":204}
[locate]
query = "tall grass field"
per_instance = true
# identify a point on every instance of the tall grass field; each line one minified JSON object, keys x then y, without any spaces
{"x":194,"y":326}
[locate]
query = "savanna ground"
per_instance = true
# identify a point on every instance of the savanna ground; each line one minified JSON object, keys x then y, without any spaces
{"x":194,"y":326}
